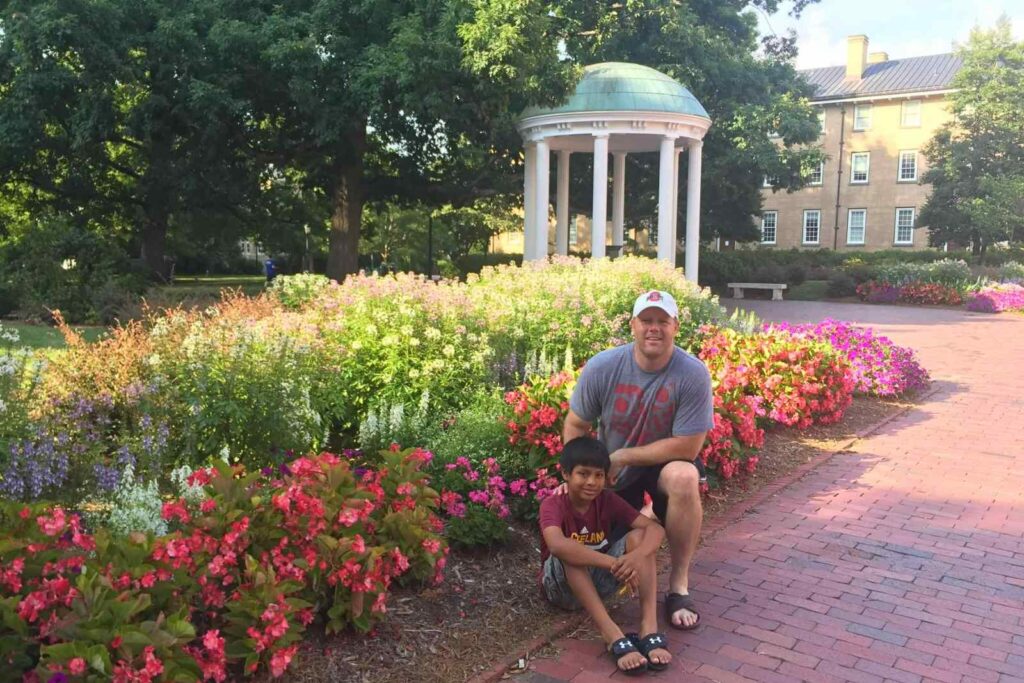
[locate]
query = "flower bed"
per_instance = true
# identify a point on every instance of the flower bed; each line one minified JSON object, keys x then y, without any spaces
{"x":996,"y":298}
{"x":880,"y":367}
{"x":927,"y":293}
{"x":253,"y":561}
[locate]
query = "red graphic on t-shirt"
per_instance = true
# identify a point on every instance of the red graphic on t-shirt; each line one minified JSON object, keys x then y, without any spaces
{"x":640,"y":423}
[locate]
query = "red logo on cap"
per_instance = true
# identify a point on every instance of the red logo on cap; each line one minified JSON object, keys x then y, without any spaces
{"x":654,"y":296}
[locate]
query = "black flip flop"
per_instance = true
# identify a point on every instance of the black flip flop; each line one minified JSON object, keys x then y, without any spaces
{"x":622,"y":647}
{"x":652,"y":641}
{"x":675,"y":602}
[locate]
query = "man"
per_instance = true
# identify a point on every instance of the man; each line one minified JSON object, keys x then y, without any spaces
{"x":654,"y":406}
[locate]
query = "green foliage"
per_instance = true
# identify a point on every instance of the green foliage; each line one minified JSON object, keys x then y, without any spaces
{"x":246,"y":390}
{"x":295,"y":291}
{"x":478,"y":527}
{"x":976,"y":160}
{"x":19,"y":379}
{"x":949,"y":272}
{"x":478,"y":431}
{"x":56,"y":264}
{"x":130,"y":116}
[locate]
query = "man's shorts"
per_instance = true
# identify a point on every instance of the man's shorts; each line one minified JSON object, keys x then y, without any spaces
{"x":647,"y":482}
{"x":556,"y":587}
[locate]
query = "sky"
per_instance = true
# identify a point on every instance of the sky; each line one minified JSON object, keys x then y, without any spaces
{"x":903,"y":28}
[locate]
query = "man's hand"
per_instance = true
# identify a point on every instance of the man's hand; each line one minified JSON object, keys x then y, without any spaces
{"x":617,"y":459}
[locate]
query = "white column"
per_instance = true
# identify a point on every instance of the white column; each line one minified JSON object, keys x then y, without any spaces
{"x":693,"y":211}
{"x":618,"y":198}
{"x":562,"y":204}
{"x":543,"y":198}
{"x":667,"y":152}
{"x":529,"y":201}
{"x":675,"y":202}
{"x":599,"y":219}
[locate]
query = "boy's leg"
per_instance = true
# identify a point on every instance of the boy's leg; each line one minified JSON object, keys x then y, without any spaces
{"x":583,"y":588}
{"x":648,"y":585}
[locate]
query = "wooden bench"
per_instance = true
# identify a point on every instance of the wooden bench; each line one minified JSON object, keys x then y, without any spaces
{"x":738,"y":287}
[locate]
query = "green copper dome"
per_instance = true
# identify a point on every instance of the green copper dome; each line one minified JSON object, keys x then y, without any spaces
{"x":620,"y":86}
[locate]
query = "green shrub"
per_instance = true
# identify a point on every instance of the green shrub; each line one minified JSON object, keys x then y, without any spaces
{"x":478,"y":527}
{"x":841,"y":284}
{"x":59,"y":265}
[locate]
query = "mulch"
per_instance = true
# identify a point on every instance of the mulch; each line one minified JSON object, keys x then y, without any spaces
{"x":489,"y":604}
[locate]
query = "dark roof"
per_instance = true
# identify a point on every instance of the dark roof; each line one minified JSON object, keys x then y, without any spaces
{"x":896,"y":76}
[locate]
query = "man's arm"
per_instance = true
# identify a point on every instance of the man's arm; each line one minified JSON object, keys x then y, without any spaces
{"x":574,"y":426}
{"x":571,"y":552}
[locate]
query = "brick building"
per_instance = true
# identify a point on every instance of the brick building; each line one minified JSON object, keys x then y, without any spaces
{"x":876,"y":114}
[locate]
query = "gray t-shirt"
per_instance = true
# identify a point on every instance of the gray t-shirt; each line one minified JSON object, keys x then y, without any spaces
{"x":635,"y":408}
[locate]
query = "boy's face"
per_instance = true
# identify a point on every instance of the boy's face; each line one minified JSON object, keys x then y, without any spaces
{"x":586,"y":482}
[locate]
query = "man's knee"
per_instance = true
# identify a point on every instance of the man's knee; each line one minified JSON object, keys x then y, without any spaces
{"x":679,"y":479}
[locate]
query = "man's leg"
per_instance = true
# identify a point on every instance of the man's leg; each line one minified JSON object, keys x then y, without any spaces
{"x":586,"y":594}
{"x":648,"y":582}
{"x":679,"y":482}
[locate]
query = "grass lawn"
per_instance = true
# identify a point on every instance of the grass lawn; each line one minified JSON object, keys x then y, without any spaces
{"x":218,"y":280}
{"x":46,"y":337}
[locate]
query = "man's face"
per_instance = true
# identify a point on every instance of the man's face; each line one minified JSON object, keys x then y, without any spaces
{"x":654,"y":332}
{"x":585,"y":482}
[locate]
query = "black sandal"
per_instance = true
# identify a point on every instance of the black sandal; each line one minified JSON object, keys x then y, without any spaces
{"x":622,"y":647}
{"x":652,"y":641}
{"x":675,"y":602}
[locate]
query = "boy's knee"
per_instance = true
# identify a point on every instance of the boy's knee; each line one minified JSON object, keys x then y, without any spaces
{"x":633,"y":539}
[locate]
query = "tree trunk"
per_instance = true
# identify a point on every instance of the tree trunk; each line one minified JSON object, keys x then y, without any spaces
{"x":347,"y":210}
{"x":154,"y":242}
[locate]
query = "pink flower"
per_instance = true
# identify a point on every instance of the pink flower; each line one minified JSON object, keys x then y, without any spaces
{"x":52,"y":526}
{"x":281,"y":659}
{"x":77,"y":666}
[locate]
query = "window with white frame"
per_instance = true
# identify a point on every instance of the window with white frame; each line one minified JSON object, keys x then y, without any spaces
{"x":812,"y":226}
{"x":860,"y":165}
{"x":821,"y":122}
{"x":910,"y":114}
{"x":856,"y":226}
{"x":862,"y":117}
{"x":767,"y":182}
{"x":905,"y":226}
{"x":573,"y":234}
{"x":816,"y":175}
{"x":769,"y":223}
{"x":908,"y":165}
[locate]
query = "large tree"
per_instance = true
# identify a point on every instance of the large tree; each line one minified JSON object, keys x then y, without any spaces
{"x":378,"y":100}
{"x":976,"y":161}
{"x":122,"y":112}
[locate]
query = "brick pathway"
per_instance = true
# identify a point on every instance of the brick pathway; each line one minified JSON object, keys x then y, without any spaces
{"x":900,"y":561}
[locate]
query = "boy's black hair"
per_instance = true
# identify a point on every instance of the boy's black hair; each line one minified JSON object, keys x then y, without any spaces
{"x":586,"y":451}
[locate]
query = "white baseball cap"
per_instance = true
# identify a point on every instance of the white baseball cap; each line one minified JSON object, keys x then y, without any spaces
{"x":656,"y":299}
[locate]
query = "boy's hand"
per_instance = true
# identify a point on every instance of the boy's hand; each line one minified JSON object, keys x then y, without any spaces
{"x":627,"y":568}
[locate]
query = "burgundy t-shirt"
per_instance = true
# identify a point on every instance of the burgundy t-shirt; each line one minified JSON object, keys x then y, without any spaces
{"x":591,"y":528}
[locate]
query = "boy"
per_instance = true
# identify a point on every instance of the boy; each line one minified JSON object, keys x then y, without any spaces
{"x":584,"y":560}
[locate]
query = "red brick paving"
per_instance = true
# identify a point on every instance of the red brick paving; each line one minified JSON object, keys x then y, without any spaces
{"x":901,"y":560}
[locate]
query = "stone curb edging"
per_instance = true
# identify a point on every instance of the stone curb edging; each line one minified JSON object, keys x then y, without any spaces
{"x":708,"y":532}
